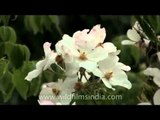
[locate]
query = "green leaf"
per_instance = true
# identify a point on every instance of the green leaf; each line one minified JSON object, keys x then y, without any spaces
{"x":135,"y":52}
{"x":2,"y":50}
{"x":147,"y":28}
{"x":35,"y":87}
{"x":154,"y":21}
{"x":54,"y":19}
{"x":26,"y":52}
{"x":17,"y":54}
{"x":4,"y":19}
{"x":35,"y":84}
{"x":30,"y":23}
{"x":6,"y":86}
{"x":20,"y":84}
{"x":39,"y":23}
{"x":7,"y":34}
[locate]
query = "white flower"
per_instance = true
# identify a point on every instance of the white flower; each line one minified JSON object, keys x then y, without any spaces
{"x":82,"y":55}
{"x":113,"y":74}
{"x":154,"y":72}
{"x":43,"y":64}
{"x":60,"y":92}
{"x":134,"y":36}
{"x":64,"y":47}
{"x":88,"y":52}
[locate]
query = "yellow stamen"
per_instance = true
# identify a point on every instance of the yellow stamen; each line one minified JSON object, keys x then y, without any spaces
{"x":108,"y":75}
{"x":83,"y":56}
{"x":56,"y":91}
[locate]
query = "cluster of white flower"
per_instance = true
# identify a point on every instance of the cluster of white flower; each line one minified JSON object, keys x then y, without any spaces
{"x":137,"y":36}
{"x":86,"y":51}
{"x":154,"y":72}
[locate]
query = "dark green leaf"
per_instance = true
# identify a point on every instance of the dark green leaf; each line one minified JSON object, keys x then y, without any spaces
{"x":6,"y":86}
{"x":147,"y":28}
{"x":135,"y":52}
{"x":8,"y":34}
{"x":54,"y":19}
{"x":4,"y":19}
{"x":2,"y":49}
{"x":20,"y":84}
{"x":17,"y":54}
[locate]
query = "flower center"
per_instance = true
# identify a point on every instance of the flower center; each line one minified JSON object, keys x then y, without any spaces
{"x":78,"y":86}
{"x":83,"y":56}
{"x":56,"y":91}
{"x":108,"y":75}
{"x":59,"y":59}
{"x":100,"y":45}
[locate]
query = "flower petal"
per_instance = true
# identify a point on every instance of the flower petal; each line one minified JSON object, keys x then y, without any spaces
{"x":152,"y":72}
{"x":107,"y":84}
{"x":88,"y":65}
{"x":146,"y":41}
{"x":145,"y":103}
{"x":109,"y":47}
{"x":46,"y":102}
{"x":158,"y":54}
{"x":97,"y":54}
{"x":40,"y":64}
{"x":133,"y":35}
{"x":50,"y":60}
{"x":127,"y":42}
{"x":156,"y":80}
{"x":33,"y":74}
{"x":46,"y":47}
{"x":98,"y":34}
{"x":123,"y":66}
{"x":71,"y":69}
{"x":156,"y":97}
{"x":108,"y":63}
{"x":120,"y":78}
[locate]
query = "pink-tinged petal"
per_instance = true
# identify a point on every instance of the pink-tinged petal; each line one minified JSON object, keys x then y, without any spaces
{"x":46,"y":102}
{"x":98,"y":34}
{"x":33,"y":74}
{"x":156,"y":98}
{"x":46,"y":47}
{"x":81,"y":38}
{"x":146,"y":41}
